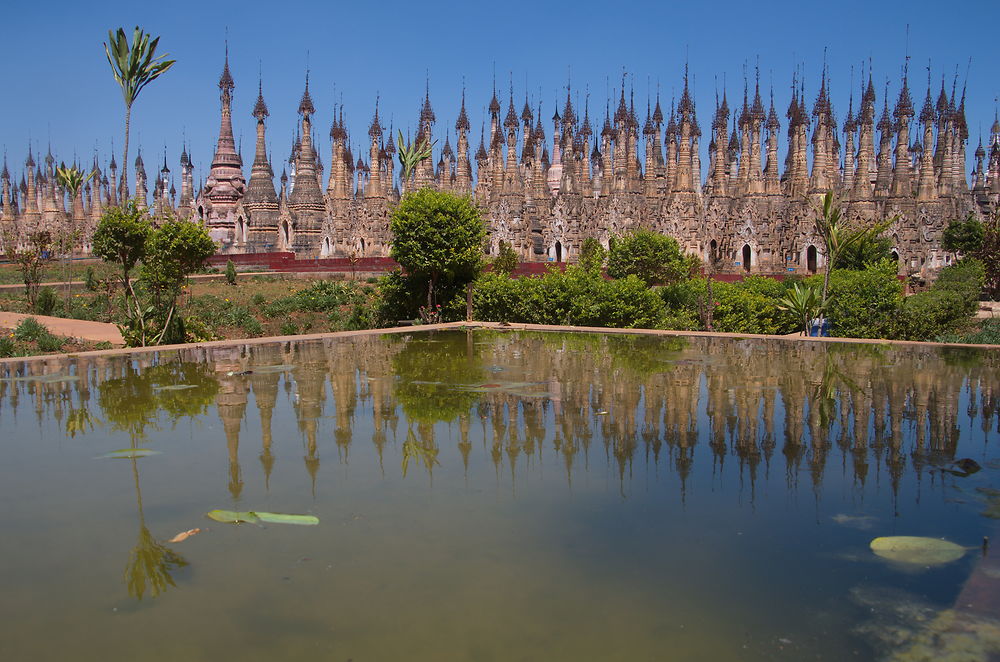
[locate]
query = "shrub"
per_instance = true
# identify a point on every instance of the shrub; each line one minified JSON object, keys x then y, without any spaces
{"x":29,"y":330}
{"x":7,"y":348}
{"x":988,"y":334}
{"x":289,"y":329}
{"x":751,"y":306}
{"x":230,"y":272}
{"x":325,"y":295}
{"x":50,"y":343}
{"x":46,"y":301}
{"x":573,"y":297}
{"x":952,"y":300}
{"x":258,"y":299}
{"x":863,"y":304}
{"x":654,"y":258}
{"x":965,"y":236}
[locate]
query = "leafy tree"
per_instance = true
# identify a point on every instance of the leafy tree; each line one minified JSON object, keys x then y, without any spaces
{"x":593,"y":255}
{"x":654,"y":258}
{"x":438,"y":238}
{"x":863,"y":304}
{"x":174,"y":251}
{"x":506,"y":260}
{"x":963,"y":236}
{"x":134,"y":67}
{"x":120,"y":238}
{"x":169,"y":254}
{"x":989,"y":254}
{"x":31,"y":257}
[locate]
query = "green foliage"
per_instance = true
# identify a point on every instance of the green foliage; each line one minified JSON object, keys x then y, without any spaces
{"x":288,"y":328}
{"x":949,"y":304}
{"x":989,"y":253}
{"x":326,"y":295}
{"x":438,"y":237}
{"x":72,"y":179}
{"x":46,"y":301}
{"x":863,"y":304}
{"x":7,"y":347}
{"x":430,"y":376}
{"x":988,"y":334}
{"x":29,"y":329}
{"x":593,"y":255}
{"x":91,"y":281}
{"x":803,"y":303}
{"x":230,"y":272}
{"x":412,"y":154}
{"x":867,"y":248}
{"x":506,"y":260}
{"x":653,"y":258}
{"x":50,"y":343}
{"x":121,"y":237}
{"x":963,"y":236}
{"x":748,"y":306}
{"x":574,"y":297}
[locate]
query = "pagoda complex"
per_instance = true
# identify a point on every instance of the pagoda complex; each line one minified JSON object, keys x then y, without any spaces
{"x":590,"y":177}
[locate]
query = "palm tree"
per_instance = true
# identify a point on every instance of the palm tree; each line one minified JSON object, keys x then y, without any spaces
{"x":134,"y":67}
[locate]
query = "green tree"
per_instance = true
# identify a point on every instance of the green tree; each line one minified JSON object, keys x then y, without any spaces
{"x":120,"y":238}
{"x":438,"y":238}
{"x":654,"y":258}
{"x":134,"y":67}
{"x":870,"y":246}
{"x":506,"y":260}
{"x":174,"y":251}
{"x":593,"y":255}
{"x":963,"y":236}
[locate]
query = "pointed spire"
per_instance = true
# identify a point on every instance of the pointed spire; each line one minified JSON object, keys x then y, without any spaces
{"x":226,"y":84}
{"x":306,"y":103}
{"x":375,"y":129}
{"x":462,"y":123}
{"x":526,"y":115}
{"x":260,"y":108}
{"x":510,"y":121}
{"x":657,"y":111}
{"x":494,"y":102}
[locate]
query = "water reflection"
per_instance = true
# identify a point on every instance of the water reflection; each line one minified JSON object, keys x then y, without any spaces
{"x":645,"y":400}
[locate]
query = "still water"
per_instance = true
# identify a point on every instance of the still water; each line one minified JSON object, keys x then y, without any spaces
{"x":497,"y":496}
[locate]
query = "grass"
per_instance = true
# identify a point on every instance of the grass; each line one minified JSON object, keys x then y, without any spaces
{"x":30,"y":338}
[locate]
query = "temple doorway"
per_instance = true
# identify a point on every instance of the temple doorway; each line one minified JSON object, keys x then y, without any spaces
{"x":811,"y":259}
{"x":558,"y":251}
{"x":747,"y":255}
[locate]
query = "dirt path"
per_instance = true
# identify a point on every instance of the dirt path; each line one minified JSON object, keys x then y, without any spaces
{"x":70,"y":328}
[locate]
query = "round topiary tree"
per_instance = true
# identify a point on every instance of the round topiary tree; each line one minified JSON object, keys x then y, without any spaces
{"x":438,"y":238}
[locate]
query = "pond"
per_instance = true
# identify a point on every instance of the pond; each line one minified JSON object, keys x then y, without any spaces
{"x":490,"y":495}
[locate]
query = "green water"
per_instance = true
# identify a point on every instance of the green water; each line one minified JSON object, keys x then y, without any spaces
{"x":490,"y":496}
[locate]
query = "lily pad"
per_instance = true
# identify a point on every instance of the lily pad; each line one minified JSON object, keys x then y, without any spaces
{"x":232,"y":516}
{"x":917,"y":551}
{"x":128,"y":453}
{"x":254,"y":517}
{"x":281,"y":518}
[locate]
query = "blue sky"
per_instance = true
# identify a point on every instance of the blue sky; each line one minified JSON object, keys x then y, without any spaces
{"x":58,"y":86}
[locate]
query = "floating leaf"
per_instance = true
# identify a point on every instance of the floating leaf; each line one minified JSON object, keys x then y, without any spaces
{"x":128,"y":453}
{"x":184,"y":535}
{"x":281,"y":518}
{"x":232,"y":516}
{"x":174,"y":387}
{"x":918,"y":551}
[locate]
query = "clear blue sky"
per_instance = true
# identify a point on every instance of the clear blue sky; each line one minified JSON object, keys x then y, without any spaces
{"x":58,"y":86}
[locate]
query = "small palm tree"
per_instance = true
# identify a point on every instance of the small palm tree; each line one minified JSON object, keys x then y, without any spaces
{"x":412,"y":154}
{"x":804,"y":303}
{"x":134,"y":67}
